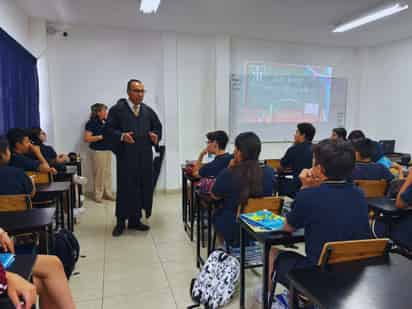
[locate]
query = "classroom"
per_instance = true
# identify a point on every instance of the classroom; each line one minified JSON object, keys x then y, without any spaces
{"x":205,"y":154}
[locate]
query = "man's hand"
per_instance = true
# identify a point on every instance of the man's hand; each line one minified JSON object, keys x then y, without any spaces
{"x":128,"y":138}
{"x":18,"y":287}
{"x":154,"y":138}
{"x":5,"y":242}
{"x":308,"y":179}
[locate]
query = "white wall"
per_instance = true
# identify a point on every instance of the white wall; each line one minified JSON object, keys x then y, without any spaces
{"x":386,"y":93}
{"x":14,"y":21}
{"x":343,"y":60}
{"x":93,"y":65}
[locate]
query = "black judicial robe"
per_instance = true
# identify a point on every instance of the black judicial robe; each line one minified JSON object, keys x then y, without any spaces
{"x":134,"y":161}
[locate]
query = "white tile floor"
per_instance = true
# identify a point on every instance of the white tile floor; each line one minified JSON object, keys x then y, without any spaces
{"x":139,"y":269}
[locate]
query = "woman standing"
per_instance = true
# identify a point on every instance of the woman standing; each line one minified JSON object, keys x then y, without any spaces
{"x":100,"y":152}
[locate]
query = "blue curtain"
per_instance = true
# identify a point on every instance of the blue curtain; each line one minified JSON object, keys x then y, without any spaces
{"x":19,"y":86}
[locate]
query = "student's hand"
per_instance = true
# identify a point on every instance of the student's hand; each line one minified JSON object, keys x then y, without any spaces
{"x":308,"y":179}
{"x":5,"y":242}
{"x":34,"y":148}
{"x":204,"y":152}
{"x":154,"y":138}
{"x":18,"y":287}
{"x":53,"y":171}
{"x":128,"y":138}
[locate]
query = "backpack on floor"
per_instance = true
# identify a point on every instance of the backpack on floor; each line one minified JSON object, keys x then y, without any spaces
{"x":67,"y":248}
{"x":216,"y":283}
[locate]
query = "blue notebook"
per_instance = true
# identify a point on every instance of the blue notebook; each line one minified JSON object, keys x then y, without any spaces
{"x":7,"y":259}
{"x":264,"y":219}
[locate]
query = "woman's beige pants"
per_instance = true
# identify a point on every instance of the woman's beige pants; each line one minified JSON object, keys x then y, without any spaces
{"x":102,"y":173}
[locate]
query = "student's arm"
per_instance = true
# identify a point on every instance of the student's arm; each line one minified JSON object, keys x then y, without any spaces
{"x":199,"y":163}
{"x":89,"y":138}
{"x":398,"y":167}
{"x":295,"y":219}
{"x":387,"y":175}
{"x":286,"y":161}
{"x":222,"y":186}
{"x":405,"y":192}
{"x":44,"y":165}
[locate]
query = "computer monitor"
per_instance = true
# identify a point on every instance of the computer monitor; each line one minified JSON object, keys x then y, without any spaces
{"x":388,"y":146}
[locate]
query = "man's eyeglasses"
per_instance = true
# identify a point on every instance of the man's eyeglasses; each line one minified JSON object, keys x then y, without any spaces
{"x":138,"y":91}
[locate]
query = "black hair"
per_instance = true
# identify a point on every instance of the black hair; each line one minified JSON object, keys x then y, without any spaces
{"x":129,"y":83}
{"x":336,"y":157}
{"x":356,"y":135}
{"x":96,"y":108}
{"x":307,"y":129}
{"x":4,"y":145}
{"x":220,"y":137}
{"x":15,"y":136}
{"x":364,"y":147}
{"x":248,"y":174}
{"x":35,"y":135}
{"x":341,"y":133}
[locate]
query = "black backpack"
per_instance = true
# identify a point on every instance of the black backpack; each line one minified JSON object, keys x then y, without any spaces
{"x":67,"y":248}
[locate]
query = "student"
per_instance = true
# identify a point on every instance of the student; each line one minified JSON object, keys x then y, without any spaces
{"x":299,"y":156}
{"x":365,"y":168}
{"x":49,"y":282}
{"x":38,"y":137}
{"x":401,"y":228}
{"x":339,"y":133}
{"x":101,"y":153}
{"x":21,"y":147}
{"x":328,"y":207}
{"x":377,"y":154}
{"x":216,"y":145}
{"x":241,"y":181}
{"x":13,"y":180}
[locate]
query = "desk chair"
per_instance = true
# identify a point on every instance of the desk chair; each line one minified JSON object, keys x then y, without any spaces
{"x":19,"y":202}
{"x":271,"y":203}
{"x":373,"y":188}
{"x":344,"y":251}
{"x":273,"y":163}
{"x":354,"y":250}
{"x":41,"y":178}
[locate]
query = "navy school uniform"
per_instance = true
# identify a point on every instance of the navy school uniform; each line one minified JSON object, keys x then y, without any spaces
{"x":297,"y":157}
{"x":334,"y":211}
{"x":24,"y":162}
{"x":212,"y":169}
{"x":224,"y":218}
{"x":96,"y":127}
{"x":371,"y":171}
{"x":14,"y":181}
{"x":401,"y":228}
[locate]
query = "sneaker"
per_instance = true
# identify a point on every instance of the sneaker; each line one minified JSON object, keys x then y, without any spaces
{"x":80,"y":180}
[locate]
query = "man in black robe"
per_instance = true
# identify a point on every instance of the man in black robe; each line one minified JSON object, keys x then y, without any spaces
{"x":133,"y":128}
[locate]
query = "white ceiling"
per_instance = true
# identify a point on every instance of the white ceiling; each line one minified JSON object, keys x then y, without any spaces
{"x":308,"y":21}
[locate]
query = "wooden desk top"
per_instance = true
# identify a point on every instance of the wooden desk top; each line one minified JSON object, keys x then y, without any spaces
{"x":22,"y":221}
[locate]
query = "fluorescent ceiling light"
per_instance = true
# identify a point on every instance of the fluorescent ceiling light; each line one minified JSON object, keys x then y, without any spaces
{"x":371,"y":16}
{"x":149,"y":6}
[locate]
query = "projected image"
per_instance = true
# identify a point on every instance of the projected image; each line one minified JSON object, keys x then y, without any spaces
{"x":284,"y":93}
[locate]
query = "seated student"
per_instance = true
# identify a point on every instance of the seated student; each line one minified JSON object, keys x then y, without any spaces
{"x":244,"y":179}
{"x":38,"y":137}
{"x":339,"y":133}
{"x":401,"y":228}
{"x":377,"y":154}
{"x":13,"y":180}
{"x":328,"y":207}
{"x":365,"y":168}
{"x":299,"y":156}
{"x":20,"y":146}
{"x":216,"y":145}
{"x":49,"y":282}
